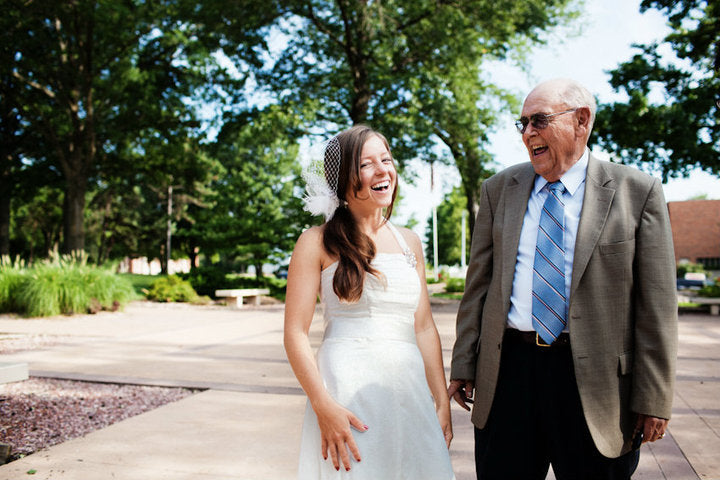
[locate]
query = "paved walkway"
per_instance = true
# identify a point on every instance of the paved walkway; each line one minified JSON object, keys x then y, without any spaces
{"x":246,"y":422}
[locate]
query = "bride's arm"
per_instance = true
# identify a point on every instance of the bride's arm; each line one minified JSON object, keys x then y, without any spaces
{"x":303,"y":284}
{"x":428,"y":342}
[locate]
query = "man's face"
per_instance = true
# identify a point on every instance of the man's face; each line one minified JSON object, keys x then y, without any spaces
{"x":555,"y":148}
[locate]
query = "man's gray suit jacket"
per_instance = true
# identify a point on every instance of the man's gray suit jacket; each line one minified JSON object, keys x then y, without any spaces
{"x":622,"y":309}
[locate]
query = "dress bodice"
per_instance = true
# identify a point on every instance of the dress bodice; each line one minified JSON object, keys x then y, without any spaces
{"x":387,"y":305}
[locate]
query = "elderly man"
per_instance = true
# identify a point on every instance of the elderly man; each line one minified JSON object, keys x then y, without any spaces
{"x":567,"y":331}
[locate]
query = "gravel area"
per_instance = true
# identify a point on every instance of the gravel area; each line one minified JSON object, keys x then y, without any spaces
{"x":41,"y":412}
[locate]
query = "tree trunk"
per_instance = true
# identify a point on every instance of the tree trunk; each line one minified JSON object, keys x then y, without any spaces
{"x":192,"y":253}
{"x":5,"y":195}
{"x":358,"y":61}
{"x":73,"y":213}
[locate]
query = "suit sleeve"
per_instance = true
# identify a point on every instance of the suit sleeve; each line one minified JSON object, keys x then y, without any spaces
{"x":655,"y":310}
{"x":477,"y":282}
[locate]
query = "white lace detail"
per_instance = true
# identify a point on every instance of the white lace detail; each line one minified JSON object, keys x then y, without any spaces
{"x":409,"y":254}
{"x":319,"y":199}
{"x":321,"y":177}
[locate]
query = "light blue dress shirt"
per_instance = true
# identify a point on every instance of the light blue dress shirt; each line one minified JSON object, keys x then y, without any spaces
{"x":520,"y":315}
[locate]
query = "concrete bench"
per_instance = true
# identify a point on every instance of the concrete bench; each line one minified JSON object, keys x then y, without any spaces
{"x":712,"y":301}
{"x":235,"y":296}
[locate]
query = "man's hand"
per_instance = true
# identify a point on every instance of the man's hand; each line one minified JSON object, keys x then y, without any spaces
{"x":462,"y":392}
{"x":653,"y":428}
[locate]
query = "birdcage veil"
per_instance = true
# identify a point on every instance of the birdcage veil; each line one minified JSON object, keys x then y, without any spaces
{"x":321,"y":180}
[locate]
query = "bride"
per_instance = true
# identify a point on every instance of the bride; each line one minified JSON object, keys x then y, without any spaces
{"x":377,"y":403}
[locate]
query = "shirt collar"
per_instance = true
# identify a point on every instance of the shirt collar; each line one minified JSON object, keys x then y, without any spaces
{"x":572,"y":179}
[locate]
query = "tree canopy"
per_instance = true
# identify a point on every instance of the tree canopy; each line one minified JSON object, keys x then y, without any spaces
{"x":130,"y":122}
{"x":670,"y":120}
{"x":411,"y":69}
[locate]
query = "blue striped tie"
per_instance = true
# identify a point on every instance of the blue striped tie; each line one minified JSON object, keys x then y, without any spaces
{"x":548,"y":291}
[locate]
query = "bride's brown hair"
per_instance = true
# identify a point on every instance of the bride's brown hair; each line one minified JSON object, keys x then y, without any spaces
{"x":342,"y":238}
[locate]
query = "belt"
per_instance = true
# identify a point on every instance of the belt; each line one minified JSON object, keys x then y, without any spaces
{"x":513,"y":335}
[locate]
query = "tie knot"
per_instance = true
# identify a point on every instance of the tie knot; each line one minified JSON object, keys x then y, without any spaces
{"x":556,"y":187}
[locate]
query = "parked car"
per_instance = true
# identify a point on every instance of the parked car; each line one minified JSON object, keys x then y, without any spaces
{"x":689,"y":284}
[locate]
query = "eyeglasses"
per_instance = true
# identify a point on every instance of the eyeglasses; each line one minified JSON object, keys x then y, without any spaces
{"x":538,"y":120}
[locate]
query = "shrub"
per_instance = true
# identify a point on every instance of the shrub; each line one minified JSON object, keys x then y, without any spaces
{"x":710,"y":290}
{"x":61,"y":285}
{"x":171,"y":289}
{"x":12,"y":277}
{"x":205,"y":280}
{"x":455,"y":285}
{"x":682,"y":268}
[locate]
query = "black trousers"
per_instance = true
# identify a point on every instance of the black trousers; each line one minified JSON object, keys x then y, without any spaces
{"x":537,"y":420}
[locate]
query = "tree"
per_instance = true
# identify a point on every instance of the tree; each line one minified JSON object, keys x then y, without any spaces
{"x":129,"y":207}
{"x":71,"y":59}
{"x":257,"y":213}
{"x":11,"y":138}
{"x":405,"y":67}
{"x":95,"y":74}
{"x":669,"y":122}
{"x":449,"y":230}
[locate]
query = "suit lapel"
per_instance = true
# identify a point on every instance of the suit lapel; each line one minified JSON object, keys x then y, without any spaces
{"x":599,"y":193}
{"x":516,"y":199}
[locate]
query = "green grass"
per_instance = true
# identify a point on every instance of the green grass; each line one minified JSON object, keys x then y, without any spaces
{"x":11,"y":280}
{"x":61,"y":285}
{"x":141,"y":283}
{"x":451,"y":296}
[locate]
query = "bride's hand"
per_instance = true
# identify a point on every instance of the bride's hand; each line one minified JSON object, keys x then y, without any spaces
{"x":335,"y":422}
{"x":445,"y":419}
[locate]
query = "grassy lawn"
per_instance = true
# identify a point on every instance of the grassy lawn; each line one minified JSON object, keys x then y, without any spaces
{"x":451,"y":296}
{"x":140,"y":282}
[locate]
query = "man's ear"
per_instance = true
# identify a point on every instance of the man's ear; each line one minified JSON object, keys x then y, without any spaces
{"x":582,"y":115}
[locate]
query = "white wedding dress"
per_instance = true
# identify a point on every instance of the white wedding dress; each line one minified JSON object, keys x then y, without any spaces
{"x":370,"y":363}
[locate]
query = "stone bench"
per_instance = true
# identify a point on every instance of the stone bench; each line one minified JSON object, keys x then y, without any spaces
{"x":235,"y":296}
{"x":712,"y":301}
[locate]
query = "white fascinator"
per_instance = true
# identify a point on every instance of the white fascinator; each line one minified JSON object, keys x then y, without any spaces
{"x":321,"y":179}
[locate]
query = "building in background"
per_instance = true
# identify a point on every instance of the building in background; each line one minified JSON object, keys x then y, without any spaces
{"x":143,"y":266}
{"x":696,"y":232}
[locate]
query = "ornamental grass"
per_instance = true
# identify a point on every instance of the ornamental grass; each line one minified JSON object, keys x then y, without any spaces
{"x":61,"y":285}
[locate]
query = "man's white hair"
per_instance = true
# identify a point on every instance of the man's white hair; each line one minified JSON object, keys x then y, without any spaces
{"x":573,"y":94}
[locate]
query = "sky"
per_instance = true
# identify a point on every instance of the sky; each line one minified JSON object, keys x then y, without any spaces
{"x":596,"y":43}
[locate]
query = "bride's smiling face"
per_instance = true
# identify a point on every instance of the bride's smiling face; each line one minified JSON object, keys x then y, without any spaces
{"x":378,"y":177}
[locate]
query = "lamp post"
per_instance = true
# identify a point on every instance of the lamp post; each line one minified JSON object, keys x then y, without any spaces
{"x":462,"y":239}
{"x":169,"y":230}
{"x":168,"y":236}
{"x":434,"y":221}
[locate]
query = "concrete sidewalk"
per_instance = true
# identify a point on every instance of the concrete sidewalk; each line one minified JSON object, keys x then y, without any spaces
{"x":246,"y":422}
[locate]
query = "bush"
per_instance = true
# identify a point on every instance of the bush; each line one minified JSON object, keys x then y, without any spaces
{"x":455,"y":285}
{"x":712,"y":291}
{"x":61,"y":285}
{"x":682,"y":268}
{"x":11,"y":280}
{"x":205,"y":280}
{"x":171,"y":289}
{"x":140,"y":282}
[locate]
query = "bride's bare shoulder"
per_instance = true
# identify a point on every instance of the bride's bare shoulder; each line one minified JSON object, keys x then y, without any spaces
{"x":310,"y":246}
